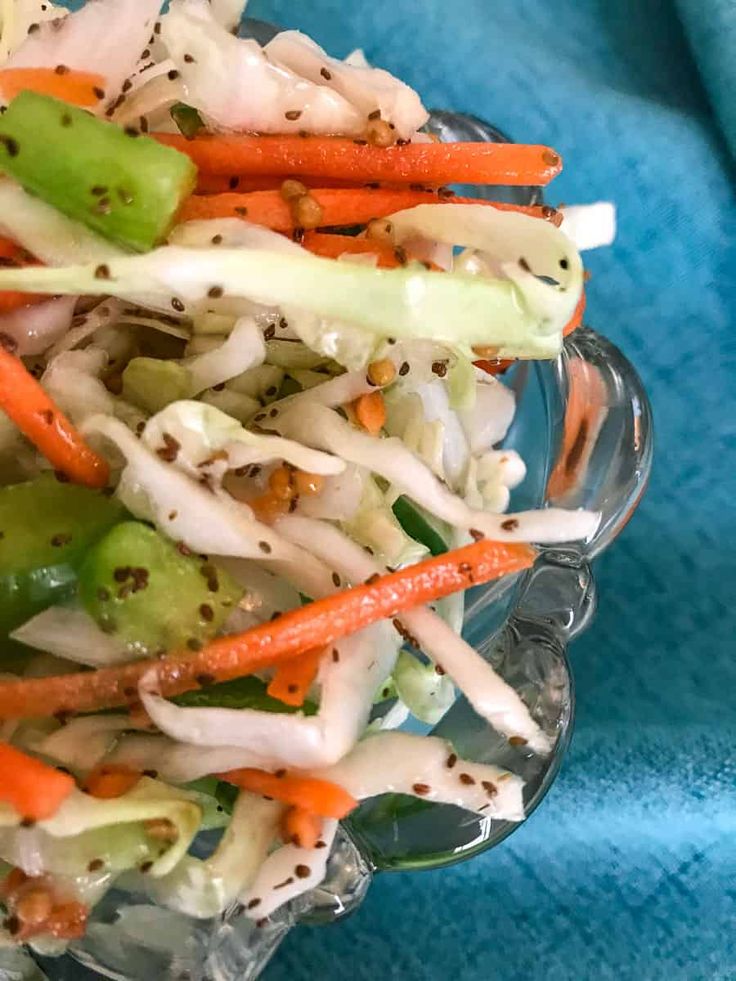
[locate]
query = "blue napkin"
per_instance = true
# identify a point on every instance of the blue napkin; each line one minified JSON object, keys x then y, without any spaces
{"x":627,"y":869}
{"x":711,"y":29}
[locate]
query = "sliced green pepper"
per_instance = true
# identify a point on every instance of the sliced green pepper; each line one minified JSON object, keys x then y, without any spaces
{"x":156,"y":596}
{"x":24,"y":595}
{"x":121,"y":184}
{"x":45,"y":522}
{"x":417,"y":527}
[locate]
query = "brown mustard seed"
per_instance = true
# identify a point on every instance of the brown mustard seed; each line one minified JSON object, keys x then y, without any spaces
{"x":307,"y":212}
{"x":490,"y":788}
{"x":335,"y":655}
{"x":293,"y":114}
{"x":34,"y":907}
{"x":102,"y":272}
{"x":380,"y":230}
{"x":326,"y":74}
{"x":204,"y":680}
{"x":176,"y":302}
{"x":95,"y":865}
{"x":215,"y":292}
{"x":467,"y":779}
{"x":379,"y":133}
{"x":381,"y":372}
{"x":517,"y":741}
{"x":476,"y":535}
{"x":551,"y":158}
{"x":291,"y":189}
{"x":336,"y":581}
{"x":510,"y":524}
{"x":206,"y":612}
{"x":302,"y":871}
{"x":189,"y":59}
{"x":253,"y":903}
{"x":404,"y":368}
{"x":421,"y":788}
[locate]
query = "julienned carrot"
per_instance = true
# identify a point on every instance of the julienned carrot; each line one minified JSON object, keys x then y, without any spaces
{"x":317,"y":624}
{"x":577,"y":317}
{"x":13,"y":255}
{"x":220,"y":183}
{"x":76,"y":87}
{"x":340,"y":206}
{"x":32,"y":788}
{"x":318,"y":796}
{"x":293,"y":679}
{"x":332,"y":246}
{"x":370,"y":411}
{"x":301,"y":827}
{"x":338,"y":157}
{"x":34,"y":413}
{"x":498,"y":367}
{"x":110,"y":780}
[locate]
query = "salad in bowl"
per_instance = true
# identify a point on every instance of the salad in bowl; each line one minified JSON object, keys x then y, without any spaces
{"x":253,"y":363}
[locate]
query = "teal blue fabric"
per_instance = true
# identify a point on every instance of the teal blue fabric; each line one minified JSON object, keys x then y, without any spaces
{"x":628,"y":870}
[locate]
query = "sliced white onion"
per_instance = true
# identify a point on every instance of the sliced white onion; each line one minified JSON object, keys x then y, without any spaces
{"x":36,"y":327}
{"x":319,"y":426}
{"x":71,"y":633}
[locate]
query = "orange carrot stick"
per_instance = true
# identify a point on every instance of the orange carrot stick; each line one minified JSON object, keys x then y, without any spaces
{"x":370,"y":411}
{"x":317,"y":624}
{"x":301,"y":827}
{"x":32,"y":788}
{"x":293,"y":679}
{"x":338,"y":157}
{"x":38,"y":417}
{"x":220,"y":183}
{"x":111,"y":780}
{"x":332,"y":246}
{"x":318,"y":796}
{"x":340,"y":206}
{"x":76,"y":87}
{"x":577,"y":317}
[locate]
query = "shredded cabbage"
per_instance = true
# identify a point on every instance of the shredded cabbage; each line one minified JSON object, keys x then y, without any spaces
{"x":519,"y":315}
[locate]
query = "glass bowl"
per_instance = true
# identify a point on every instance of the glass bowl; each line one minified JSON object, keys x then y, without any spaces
{"x":583,"y":426}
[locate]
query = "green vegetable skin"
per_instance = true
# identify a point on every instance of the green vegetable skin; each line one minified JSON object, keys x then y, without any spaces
{"x":417,"y":527}
{"x":128,"y":188}
{"x":45,"y":528}
{"x":248,"y":692}
{"x":139,"y":586}
{"x":187,"y":119}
